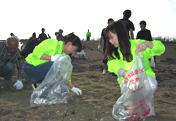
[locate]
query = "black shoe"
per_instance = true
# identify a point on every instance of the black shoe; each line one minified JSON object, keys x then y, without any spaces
{"x":113,"y":74}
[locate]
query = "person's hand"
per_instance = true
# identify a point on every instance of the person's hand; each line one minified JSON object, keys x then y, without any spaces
{"x":99,"y":46}
{"x":76,"y":90}
{"x":140,"y":47}
{"x":18,"y":85}
{"x":54,"y":57}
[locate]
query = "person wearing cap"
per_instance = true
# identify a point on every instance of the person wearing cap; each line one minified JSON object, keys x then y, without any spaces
{"x":9,"y":56}
{"x":60,"y":37}
{"x":39,"y":62}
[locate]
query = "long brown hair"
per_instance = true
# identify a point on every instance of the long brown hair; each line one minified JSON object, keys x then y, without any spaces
{"x":124,"y":43}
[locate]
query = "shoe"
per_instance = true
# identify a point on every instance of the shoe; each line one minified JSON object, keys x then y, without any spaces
{"x":104,"y":71}
{"x":34,"y":86}
{"x":113,"y":74}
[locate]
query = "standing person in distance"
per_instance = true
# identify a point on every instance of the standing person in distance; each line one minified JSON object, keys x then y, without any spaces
{"x":88,"y":35}
{"x":105,"y":67}
{"x":42,"y":36}
{"x":56,"y":33}
{"x":60,"y":37}
{"x":127,"y":23}
{"x":31,"y":38}
{"x":144,"y":34}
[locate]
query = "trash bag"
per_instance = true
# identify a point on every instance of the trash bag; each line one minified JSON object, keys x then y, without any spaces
{"x":54,"y":88}
{"x":82,"y":54}
{"x":152,"y":62}
{"x":135,"y":105}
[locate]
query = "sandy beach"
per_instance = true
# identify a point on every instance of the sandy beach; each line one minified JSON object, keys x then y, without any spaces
{"x":100,"y":92}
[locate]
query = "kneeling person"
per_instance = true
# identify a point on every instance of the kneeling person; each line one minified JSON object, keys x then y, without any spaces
{"x":43,"y":56}
{"x":9,"y":56}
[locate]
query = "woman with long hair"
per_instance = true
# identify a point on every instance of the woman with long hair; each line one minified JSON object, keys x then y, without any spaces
{"x":121,"y":51}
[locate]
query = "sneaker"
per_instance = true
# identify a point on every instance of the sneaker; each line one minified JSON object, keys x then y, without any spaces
{"x":104,"y":71}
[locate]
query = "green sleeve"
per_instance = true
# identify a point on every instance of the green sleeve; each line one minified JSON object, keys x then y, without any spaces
{"x":157,"y":50}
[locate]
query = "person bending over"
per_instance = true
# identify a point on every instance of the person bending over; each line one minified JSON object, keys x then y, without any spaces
{"x":43,"y":56}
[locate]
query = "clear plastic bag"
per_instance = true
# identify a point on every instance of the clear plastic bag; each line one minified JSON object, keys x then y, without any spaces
{"x":82,"y":54}
{"x":54,"y":88}
{"x":135,"y":105}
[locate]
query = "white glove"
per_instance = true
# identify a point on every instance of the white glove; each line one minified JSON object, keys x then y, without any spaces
{"x":18,"y":85}
{"x":132,"y":84}
{"x":99,"y":46}
{"x":54,"y":57}
{"x":76,"y":90}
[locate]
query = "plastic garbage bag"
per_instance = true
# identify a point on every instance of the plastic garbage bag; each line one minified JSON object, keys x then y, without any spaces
{"x":54,"y":88}
{"x":152,"y":62}
{"x":135,"y":105}
{"x":82,"y":54}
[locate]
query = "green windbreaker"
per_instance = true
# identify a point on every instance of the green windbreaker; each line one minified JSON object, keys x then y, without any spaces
{"x":88,"y":34}
{"x":48,"y":47}
{"x":115,"y":64}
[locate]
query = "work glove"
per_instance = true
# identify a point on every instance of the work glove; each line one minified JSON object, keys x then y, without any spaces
{"x":76,"y":90}
{"x":54,"y":57}
{"x":99,"y":46}
{"x":133,"y":84}
{"x":18,"y":85}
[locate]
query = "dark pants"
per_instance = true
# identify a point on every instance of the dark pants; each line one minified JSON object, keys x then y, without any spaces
{"x":36,"y":74}
{"x":88,"y":38}
{"x":7,"y":71}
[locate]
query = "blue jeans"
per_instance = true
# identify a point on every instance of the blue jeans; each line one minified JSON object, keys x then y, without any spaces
{"x":7,"y":71}
{"x":36,"y":74}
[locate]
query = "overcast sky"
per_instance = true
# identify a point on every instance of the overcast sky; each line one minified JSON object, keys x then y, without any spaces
{"x":23,"y":17}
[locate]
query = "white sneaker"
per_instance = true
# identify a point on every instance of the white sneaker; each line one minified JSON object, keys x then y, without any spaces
{"x":104,"y":71}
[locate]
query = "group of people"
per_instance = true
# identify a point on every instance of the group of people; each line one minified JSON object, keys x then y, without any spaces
{"x":143,"y":34}
{"x":35,"y":60}
{"x":120,"y":50}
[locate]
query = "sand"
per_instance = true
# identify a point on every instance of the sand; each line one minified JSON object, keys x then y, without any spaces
{"x":100,"y":92}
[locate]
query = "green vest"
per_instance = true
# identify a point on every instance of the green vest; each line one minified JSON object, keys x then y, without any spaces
{"x":115,"y":64}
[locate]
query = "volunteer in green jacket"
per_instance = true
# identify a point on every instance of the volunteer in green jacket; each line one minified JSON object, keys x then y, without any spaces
{"x":43,"y":56}
{"x":121,"y":52}
{"x":88,"y":35}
